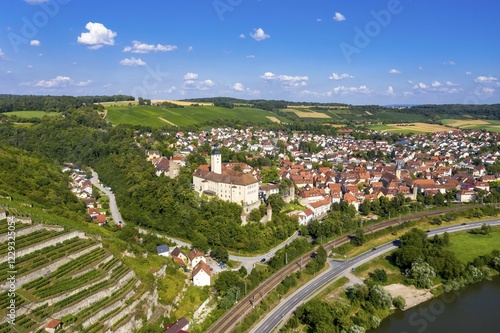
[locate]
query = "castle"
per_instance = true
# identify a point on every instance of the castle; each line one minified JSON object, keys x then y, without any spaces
{"x":229,"y":185}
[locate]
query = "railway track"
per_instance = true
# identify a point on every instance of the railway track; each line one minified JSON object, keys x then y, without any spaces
{"x":237,"y":313}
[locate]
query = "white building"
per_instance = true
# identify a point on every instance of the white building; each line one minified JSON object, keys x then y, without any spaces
{"x":229,"y":185}
{"x":201,"y":275}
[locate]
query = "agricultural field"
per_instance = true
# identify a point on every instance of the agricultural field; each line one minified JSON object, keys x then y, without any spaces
{"x":31,"y":114}
{"x":416,"y":128}
{"x":156,"y":116}
{"x":488,"y":125}
{"x":65,"y":275}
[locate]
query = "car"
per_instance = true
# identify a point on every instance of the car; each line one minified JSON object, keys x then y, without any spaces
{"x":427,"y":231}
{"x":263,"y":260}
{"x":464,"y":223}
{"x":374,"y":249}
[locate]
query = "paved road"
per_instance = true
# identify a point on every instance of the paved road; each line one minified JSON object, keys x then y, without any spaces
{"x":285,"y":308}
{"x":113,"y":207}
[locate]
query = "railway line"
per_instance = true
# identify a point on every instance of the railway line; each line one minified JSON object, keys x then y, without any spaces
{"x":237,"y":313}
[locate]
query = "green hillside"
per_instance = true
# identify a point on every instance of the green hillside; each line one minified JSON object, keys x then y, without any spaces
{"x":156,"y":116}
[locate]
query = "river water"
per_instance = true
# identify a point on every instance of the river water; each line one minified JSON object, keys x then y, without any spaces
{"x":475,"y":308}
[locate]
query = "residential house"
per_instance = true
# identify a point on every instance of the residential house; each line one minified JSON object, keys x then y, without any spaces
{"x":466,"y":196}
{"x":195,"y":257}
{"x":163,"y":250}
{"x":201,"y":274}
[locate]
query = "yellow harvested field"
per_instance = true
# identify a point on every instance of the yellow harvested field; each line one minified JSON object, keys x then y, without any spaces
{"x":422,"y":127}
{"x":302,"y":114}
{"x":468,"y":123}
{"x":274,"y":119}
{"x":338,"y":125}
{"x":369,"y":113}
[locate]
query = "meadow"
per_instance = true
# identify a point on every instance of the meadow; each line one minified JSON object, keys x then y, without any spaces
{"x":156,"y":116}
{"x":468,"y":246}
{"x":31,"y":114}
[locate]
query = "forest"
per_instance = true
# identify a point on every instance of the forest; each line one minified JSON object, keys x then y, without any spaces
{"x":10,"y":103}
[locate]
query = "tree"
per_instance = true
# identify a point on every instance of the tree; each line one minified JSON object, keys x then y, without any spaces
{"x":359,"y":238}
{"x":399,"y":302}
{"x":270,"y":175}
{"x":254,"y":215}
{"x":379,"y":275}
{"x":276,"y":202}
{"x":220,"y":253}
{"x":421,"y":274}
{"x":379,"y":297}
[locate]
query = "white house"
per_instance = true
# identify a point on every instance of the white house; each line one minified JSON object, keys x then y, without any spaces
{"x":201,"y":274}
{"x":195,"y":257}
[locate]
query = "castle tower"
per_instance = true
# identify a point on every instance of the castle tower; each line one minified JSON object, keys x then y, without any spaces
{"x":216,"y":160}
{"x":243,"y":217}
{"x":269,"y":213}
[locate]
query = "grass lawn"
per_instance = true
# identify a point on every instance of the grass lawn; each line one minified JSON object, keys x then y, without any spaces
{"x":468,"y":246}
{"x":32,"y":114}
{"x":155,"y":116}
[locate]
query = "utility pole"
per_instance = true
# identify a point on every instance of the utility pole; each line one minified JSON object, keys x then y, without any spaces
{"x":286,"y":258}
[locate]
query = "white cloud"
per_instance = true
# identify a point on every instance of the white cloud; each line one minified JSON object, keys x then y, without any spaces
{"x":337,"y":77}
{"x":58,"y":81}
{"x":242,"y":36}
{"x":420,"y":85}
{"x":35,"y":2}
{"x":190,"y":48}
{"x":420,"y":68}
{"x":61,"y":81}
{"x":338,"y":17}
{"x":485,"y":79}
{"x":449,"y":63}
{"x":132,"y":62}
{"x":487,"y":91}
{"x":436,"y":84}
{"x":97,"y":37}
{"x":286,"y":80}
{"x":238,"y":86}
{"x":394,"y":71}
{"x":190,"y":76}
{"x":8,"y":72}
{"x":171,"y":90}
{"x":259,"y":35}
{"x":35,"y":42}
{"x":84,"y":83}
{"x":468,"y":73}
{"x":29,"y":66}
{"x":451,"y":84}
{"x":138,"y":47}
{"x":250,"y":56}
{"x":390,"y":91}
{"x":319,"y":20}
{"x":342,"y":90}
{"x":3,"y":56}
{"x":191,"y":82}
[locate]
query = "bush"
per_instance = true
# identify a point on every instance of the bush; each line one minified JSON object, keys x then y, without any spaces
{"x":379,"y":275}
{"x":399,"y":302}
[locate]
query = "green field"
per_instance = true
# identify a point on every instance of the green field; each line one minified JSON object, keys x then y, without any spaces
{"x":467,"y":246}
{"x":32,"y":114}
{"x":190,"y":115}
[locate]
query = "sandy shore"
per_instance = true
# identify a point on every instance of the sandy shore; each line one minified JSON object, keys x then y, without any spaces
{"x":412,"y":295}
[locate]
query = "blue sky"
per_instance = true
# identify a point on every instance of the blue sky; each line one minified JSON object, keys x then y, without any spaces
{"x":347,"y":51}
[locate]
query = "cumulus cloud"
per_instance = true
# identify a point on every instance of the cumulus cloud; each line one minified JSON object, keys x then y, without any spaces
{"x":390,"y":91}
{"x":286,"y":80}
{"x":190,"y":48}
{"x":338,"y":17}
{"x":138,"y":47}
{"x":337,"y":77}
{"x":394,"y":71}
{"x":97,"y":37}
{"x":242,"y":36}
{"x":250,"y":56}
{"x":435,"y":87}
{"x":191,"y":82}
{"x":487,"y":91}
{"x":132,"y":62}
{"x":485,"y":79}
{"x":190,"y":76}
{"x":449,"y":63}
{"x":3,"y":56}
{"x":35,"y":42}
{"x":342,"y":90}
{"x":259,"y":35}
{"x":468,"y":73}
{"x":436,"y":84}
{"x":61,"y":81}
{"x":238,"y":86}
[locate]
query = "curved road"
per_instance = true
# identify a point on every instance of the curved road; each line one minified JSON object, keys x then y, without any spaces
{"x":113,"y":207}
{"x":285,"y":308}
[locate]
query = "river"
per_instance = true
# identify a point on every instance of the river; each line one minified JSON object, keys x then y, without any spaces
{"x":474,"y":308}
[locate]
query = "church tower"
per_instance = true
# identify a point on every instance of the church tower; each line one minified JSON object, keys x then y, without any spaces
{"x":216,"y":160}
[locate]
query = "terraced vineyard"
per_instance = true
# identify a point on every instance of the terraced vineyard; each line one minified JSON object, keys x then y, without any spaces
{"x":65,"y":275}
